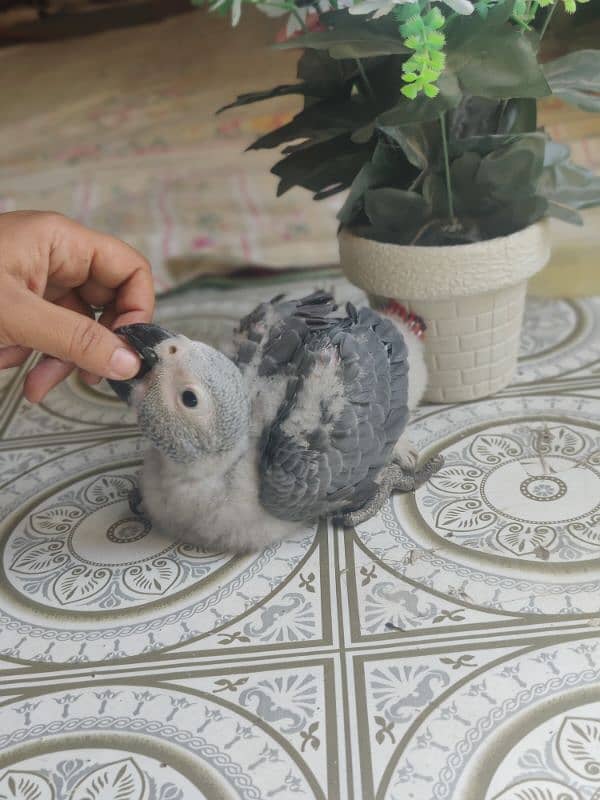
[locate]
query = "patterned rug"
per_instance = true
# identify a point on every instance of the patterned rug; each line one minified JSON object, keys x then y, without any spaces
{"x":449,"y":648}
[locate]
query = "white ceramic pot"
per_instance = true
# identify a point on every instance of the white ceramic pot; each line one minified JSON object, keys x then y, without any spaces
{"x":471,"y":296}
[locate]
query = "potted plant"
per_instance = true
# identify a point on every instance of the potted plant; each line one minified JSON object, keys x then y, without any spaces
{"x":427,"y":113}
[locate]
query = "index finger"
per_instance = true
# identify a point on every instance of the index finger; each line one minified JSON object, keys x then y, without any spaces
{"x":116,"y":265}
{"x":96,"y":262}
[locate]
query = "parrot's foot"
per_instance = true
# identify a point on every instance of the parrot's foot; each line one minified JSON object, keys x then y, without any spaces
{"x":136,"y":502}
{"x":428,"y":470}
{"x":406,"y":454}
{"x":395,"y":479}
{"x":353,"y":518}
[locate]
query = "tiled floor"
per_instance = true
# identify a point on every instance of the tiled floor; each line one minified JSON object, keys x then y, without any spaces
{"x":449,"y":648}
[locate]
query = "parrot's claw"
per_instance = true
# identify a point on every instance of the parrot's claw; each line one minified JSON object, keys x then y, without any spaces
{"x":396,"y":479}
{"x":428,"y":470}
{"x":135,"y":502}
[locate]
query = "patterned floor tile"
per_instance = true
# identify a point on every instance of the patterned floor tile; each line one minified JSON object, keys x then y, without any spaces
{"x":248,"y":732}
{"x":89,"y":581}
{"x":484,"y":724}
{"x":445,"y":650}
{"x":560,"y":340}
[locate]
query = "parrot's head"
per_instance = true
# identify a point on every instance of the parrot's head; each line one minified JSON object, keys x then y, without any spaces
{"x":190,"y":399}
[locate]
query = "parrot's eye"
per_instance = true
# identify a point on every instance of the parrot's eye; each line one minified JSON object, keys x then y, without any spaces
{"x":189,"y":399}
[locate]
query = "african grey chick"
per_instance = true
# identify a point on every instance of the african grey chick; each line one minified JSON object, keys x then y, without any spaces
{"x":306,"y":420}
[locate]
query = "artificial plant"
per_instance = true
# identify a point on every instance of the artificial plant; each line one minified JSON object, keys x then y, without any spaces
{"x":427,"y":112}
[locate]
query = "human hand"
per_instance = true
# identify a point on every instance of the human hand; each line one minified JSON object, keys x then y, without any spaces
{"x":53,"y":274}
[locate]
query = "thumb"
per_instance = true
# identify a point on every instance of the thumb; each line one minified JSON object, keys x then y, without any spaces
{"x":36,"y":323}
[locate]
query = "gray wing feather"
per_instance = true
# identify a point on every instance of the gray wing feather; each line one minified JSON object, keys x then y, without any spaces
{"x":330,"y":466}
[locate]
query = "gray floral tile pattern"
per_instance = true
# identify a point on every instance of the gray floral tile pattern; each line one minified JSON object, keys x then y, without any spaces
{"x":448,"y":649}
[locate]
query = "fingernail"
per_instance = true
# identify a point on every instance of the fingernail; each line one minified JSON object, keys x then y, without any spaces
{"x":124,"y":363}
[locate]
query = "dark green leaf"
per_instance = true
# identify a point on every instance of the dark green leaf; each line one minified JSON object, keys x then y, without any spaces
{"x":395,"y":210}
{"x":385,"y":78}
{"x":519,"y":115}
{"x":515,"y":168}
{"x":351,"y":36}
{"x":435,"y":194}
{"x":320,"y":122}
{"x":387,"y":166}
{"x":324,"y":74}
{"x":474,"y":116}
{"x":362,"y":135}
{"x":325,"y":168}
{"x":481,"y":116}
{"x":423,"y":109}
{"x":463,"y":172}
{"x":354,"y":203}
{"x":268,"y":94}
{"x":482,"y":145}
{"x":565,"y":213}
{"x":575,"y":78}
{"x":521,"y":211}
{"x":414,"y":141}
{"x":492,"y":58}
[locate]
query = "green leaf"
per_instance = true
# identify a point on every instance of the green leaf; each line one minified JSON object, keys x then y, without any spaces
{"x":320,"y":122}
{"x":564,"y":213}
{"x":471,"y":199}
{"x":435,"y":195}
{"x":320,"y":76}
{"x":519,"y":115}
{"x":268,"y":94}
{"x":324,"y":168}
{"x":575,"y":78}
{"x":364,"y":134}
{"x":387,"y":166}
{"x":395,"y":210}
{"x":423,"y":109}
{"x":511,"y":170}
{"x":325,"y":75}
{"x":495,"y":183}
{"x":354,"y":203}
{"x":480,"y":116}
{"x":514,"y":216}
{"x":482,"y":145}
{"x":410,"y":91}
{"x":565,"y":183}
{"x":491,"y":58}
{"x":415,"y":141}
{"x":351,"y":36}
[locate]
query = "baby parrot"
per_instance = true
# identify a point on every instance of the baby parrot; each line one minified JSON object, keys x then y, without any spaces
{"x":306,"y":419}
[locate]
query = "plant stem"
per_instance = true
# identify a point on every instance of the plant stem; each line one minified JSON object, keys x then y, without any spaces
{"x":547,"y":20}
{"x":447,"y":165}
{"x":423,"y":229}
{"x":365,"y":79}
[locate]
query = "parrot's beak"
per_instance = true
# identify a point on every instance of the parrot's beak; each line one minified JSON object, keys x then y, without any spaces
{"x":143,"y":338}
